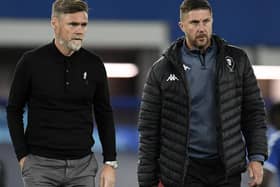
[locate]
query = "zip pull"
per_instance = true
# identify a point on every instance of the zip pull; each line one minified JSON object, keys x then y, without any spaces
{"x":202,"y":60}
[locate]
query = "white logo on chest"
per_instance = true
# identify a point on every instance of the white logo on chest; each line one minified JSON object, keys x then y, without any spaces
{"x":186,"y":68}
{"x":172,"y":77}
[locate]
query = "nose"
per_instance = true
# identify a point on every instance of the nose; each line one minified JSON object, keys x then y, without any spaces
{"x":80,"y":29}
{"x":201,"y":27}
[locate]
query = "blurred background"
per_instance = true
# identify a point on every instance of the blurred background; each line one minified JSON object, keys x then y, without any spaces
{"x":129,"y":36}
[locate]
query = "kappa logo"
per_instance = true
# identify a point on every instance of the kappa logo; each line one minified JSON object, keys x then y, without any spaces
{"x":172,"y":77}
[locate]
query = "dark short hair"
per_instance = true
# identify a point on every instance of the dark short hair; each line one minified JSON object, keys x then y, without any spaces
{"x":68,"y":7}
{"x":189,"y":5}
{"x":274,"y":115}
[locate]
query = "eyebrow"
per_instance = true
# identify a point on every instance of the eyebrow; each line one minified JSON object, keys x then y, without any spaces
{"x":73,"y":23}
{"x":197,"y":21}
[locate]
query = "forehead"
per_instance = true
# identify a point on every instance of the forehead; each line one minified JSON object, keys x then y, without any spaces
{"x":199,"y":14}
{"x":75,"y":17}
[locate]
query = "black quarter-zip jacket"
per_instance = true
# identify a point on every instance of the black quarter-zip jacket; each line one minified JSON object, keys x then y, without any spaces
{"x":61,"y":94}
{"x":165,"y":113}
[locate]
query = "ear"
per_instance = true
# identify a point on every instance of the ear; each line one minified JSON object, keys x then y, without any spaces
{"x":54,"y":22}
{"x":181,"y":25}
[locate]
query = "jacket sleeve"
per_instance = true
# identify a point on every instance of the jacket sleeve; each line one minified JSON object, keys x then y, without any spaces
{"x":18,"y":97}
{"x":253,"y":113}
{"x":149,"y":132}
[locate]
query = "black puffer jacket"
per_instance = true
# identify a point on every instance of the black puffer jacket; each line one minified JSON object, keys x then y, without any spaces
{"x":165,"y":109}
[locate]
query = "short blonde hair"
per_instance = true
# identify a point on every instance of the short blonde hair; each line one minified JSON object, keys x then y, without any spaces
{"x":68,"y":6}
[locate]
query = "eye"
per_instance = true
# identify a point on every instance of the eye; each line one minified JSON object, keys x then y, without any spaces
{"x":194,"y":22}
{"x":206,"y":21}
{"x":76,"y":24}
{"x":73,"y":24}
{"x":84,"y":24}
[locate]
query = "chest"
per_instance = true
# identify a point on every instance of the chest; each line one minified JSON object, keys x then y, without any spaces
{"x":63,"y":80}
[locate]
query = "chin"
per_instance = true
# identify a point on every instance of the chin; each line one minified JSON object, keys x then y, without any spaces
{"x":202,"y":45}
{"x":75,"y":47}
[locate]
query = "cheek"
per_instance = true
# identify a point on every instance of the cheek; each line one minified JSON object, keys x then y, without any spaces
{"x":65,"y":34}
{"x":209,"y":27}
{"x":191,"y":32}
{"x":185,"y":29}
{"x":56,"y":30}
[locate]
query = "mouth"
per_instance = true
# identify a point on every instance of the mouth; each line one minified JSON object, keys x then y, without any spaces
{"x":77,"y":39}
{"x":200,"y":37}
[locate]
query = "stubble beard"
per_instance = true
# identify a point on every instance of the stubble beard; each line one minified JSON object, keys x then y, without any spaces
{"x":201,"y":42}
{"x":74,"y":45}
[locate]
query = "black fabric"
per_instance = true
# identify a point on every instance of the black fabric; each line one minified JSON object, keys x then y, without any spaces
{"x":61,"y":94}
{"x":2,"y":174}
{"x":210,"y":173}
{"x":165,"y":109}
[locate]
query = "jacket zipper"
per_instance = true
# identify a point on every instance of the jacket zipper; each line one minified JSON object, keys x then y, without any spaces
{"x":202,"y":60}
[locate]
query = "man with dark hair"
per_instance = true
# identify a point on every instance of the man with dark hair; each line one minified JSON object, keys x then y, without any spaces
{"x":272,"y":165}
{"x":62,"y":84}
{"x":201,"y":111}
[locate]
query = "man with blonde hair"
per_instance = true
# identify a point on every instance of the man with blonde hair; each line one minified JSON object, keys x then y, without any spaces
{"x":62,"y":84}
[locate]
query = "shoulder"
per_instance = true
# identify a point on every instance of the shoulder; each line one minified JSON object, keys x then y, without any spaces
{"x":162,"y":64}
{"x":93,"y":63}
{"x":162,"y":69}
{"x":35,"y":55}
{"x":229,"y":49}
{"x":234,"y":50}
{"x":91,"y":57}
{"x":38,"y":51}
{"x":30,"y":56}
